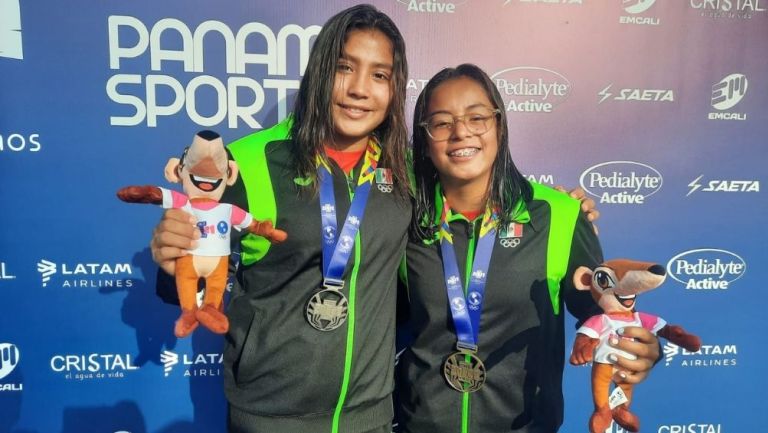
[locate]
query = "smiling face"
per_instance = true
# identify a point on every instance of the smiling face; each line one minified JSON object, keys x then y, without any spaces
{"x":362,"y":89}
{"x":465,"y":158}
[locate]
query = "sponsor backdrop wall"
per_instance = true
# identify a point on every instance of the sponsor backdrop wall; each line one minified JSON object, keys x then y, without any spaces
{"x":658,"y":109}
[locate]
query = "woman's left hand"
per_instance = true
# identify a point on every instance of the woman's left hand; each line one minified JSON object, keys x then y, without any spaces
{"x":641,"y":343}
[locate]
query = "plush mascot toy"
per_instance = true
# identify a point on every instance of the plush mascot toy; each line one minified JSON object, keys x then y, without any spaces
{"x":614,"y":286}
{"x":204,"y":172}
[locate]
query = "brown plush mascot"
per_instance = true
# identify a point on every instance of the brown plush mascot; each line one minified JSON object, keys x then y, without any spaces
{"x":204,"y":172}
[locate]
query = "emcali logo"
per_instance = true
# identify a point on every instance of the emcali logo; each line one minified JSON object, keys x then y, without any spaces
{"x":724,"y":186}
{"x":726,"y":94}
{"x":432,"y":6}
{"x":707,"y":268}
{"x":635,"y":94}
{"x":621,"y":182}
{"x":531,"y":89}
{"x":636,"y":7}
{"x":9,"y":359}
{"x":10,"y":30}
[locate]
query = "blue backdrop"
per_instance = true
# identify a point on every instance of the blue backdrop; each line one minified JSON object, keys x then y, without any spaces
{"x":657,"y":108}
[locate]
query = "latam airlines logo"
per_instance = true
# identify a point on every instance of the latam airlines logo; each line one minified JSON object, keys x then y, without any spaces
{"x":638,"y":7}
{"x":621,"y":182}
{"x":531,"y":89}
{"x":432,"y":6}
{"x":723,"y":186}
{"x":726,"y":94}
{"x":9,"y":359}
{"x":710,"y":355}
{"x":86,"y":274}
{"x":635,"y":94}
{"x":707,"y":269}
{"x":743,"y":9}
{"x":145,"y":98}
{"x":10,"y":30}
{"x":202,"y":364}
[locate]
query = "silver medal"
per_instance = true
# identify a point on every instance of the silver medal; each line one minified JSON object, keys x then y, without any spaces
{"x":464,"y":371}
{"x":327,"y":310}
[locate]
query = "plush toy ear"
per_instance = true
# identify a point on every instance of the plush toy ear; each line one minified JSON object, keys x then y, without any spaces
{"x":232,"y":175}
{"x":172,"y":170}
{"x":582,"y":278}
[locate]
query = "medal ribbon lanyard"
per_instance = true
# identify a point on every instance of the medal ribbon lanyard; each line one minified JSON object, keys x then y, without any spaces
{"x":337,"y":250}
{"x":466,"y":310}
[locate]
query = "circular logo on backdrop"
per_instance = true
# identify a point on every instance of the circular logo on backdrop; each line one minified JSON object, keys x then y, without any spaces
{"x":9,"y":358}
{"x":706,"y":268}
{"x":531,"y":89}
{"x":637,"y":6}
{"x":621,"y":182}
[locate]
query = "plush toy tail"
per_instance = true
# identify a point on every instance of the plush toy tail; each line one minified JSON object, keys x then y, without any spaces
{"x":141,"y":194}
{"x":679,"y":336}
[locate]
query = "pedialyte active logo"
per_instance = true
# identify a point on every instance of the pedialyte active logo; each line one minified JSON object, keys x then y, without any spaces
{"x":197,"y":365}
{"x":726,"y":94}
{"x":143,"y":97}
{"x":10,"y":30}
{"x":531,"y":89}
{"x":639,"y":14}
{"x":710,"y":355}
{"x":739,"y":9}
{"x":432,"y":6}
{"x":93,"y":366}
{"x":722,"y":185}
{"x":621,"y":182}
{"x":9,"y":359}
{"x":636,"y":94}
{"x":706,"y":269}
{"x":91,"y":274}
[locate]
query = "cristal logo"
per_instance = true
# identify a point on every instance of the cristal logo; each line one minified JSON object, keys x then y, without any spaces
{"x":9,"y":358}
{"x":707,"y":268}
{"x":202,"y":364}
{"x":637,"y":6}
{"x":621,"y":182}
{"x":144,"y":97}
{"x":431,"y":6}
{"x":10,"y":30}
{"x":724,"y":186}
{"x":729,"y":91}
{"x":93,"y":365}
{"x":634,"y":94}
{"x":531,"y":89}
{"x":690,"y":428}
{"x":728,"y":8}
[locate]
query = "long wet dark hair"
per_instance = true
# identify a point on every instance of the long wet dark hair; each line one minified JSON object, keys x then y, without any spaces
{"x":507,"y":184}
{"x":312,"y":122}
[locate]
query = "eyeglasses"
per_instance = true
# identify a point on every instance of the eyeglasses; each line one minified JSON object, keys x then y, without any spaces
{"x":440,"y":126}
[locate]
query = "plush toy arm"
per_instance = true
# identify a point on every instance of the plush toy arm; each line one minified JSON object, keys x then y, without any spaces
{"x":141,"y":194}
{"x":267,"y":230}
{"x":583,"y":349}
{"x":678,"y":335}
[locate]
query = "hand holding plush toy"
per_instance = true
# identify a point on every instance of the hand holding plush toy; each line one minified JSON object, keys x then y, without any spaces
{"x":614,"y":286}
{"x":204,"y":172}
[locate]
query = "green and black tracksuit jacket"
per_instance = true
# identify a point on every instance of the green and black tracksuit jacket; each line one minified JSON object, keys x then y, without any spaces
{"x":287,"y":376}
{"x":521,"y":339}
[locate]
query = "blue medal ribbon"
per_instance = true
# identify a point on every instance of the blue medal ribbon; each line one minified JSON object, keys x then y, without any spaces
{"x":467,"y":309}
{"x":338,"y":249}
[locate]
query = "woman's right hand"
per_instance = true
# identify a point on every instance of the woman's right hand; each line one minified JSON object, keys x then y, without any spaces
{"x":172,"y":238}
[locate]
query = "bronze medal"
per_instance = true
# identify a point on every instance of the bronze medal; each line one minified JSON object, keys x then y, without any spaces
{"x":464,"y":371}
{"x":327,"y":310}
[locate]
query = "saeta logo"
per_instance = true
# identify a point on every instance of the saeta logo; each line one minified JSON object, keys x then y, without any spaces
{"x":10,"y":30}
{"x":621,"y":182}
{"x":706,"y":268}
{"x":723,"y":186}
{"x":531,"y":89}
{"x":432,"y":6}
{"x":634,"y":94}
